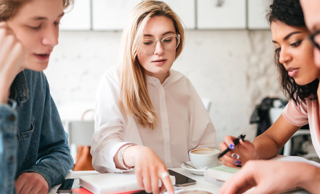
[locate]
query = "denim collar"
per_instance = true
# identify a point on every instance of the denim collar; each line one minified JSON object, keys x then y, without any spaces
{"x":19,"y":90}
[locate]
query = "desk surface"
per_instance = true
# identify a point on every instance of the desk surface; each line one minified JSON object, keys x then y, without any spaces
{"x":201,"y":183}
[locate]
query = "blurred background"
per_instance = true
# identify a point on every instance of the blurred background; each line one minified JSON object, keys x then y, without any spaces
{"x":228,"y":56}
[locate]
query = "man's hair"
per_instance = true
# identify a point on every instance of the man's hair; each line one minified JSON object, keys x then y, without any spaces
{"x":9,"y":7}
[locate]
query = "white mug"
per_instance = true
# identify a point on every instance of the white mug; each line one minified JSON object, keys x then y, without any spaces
{"x":201,"y":158}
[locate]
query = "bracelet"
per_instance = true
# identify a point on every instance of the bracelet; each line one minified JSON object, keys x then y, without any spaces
{"x":120,"y":157}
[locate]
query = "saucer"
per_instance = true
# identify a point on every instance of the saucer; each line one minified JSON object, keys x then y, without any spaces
{"x":192,"y":170}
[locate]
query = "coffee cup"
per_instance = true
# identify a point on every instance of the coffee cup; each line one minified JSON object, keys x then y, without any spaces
{"x":201,"y":158}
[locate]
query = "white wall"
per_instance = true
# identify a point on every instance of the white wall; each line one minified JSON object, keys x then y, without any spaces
{"x":233,"y":68}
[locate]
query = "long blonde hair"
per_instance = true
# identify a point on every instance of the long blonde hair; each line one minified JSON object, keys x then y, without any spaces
{"x":133,"y":87}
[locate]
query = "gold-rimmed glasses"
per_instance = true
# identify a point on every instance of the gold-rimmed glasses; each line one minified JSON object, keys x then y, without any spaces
{"x":169,"y":43}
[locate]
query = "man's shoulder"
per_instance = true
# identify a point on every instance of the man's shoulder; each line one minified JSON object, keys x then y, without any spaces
{"x":34,"y":75}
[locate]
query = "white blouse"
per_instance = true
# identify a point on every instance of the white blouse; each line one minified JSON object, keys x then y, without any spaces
{"x":183,"y":121}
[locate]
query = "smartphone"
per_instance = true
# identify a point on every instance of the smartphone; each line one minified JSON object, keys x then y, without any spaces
{"x":67,"y":185}
{"x":182,"y":180}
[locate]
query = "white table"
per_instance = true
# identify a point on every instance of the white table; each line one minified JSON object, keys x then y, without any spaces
{"x":201,"y":183}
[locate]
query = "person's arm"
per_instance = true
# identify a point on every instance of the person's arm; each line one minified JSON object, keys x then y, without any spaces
{"x":268,"y":144}
{"x":9,"y":147}
{"x":11,"y":57}
{"x":292,"y":118}
{"x":54,"y":158}
{"x":109,"y":125}
{"x":273,"y":177}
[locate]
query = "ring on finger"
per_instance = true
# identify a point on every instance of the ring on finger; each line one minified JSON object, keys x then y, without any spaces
{"x":164,"y":175}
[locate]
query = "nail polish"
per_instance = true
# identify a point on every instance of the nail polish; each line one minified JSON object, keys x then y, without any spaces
{"x":231,"y":146}
{"x":235,"y":156}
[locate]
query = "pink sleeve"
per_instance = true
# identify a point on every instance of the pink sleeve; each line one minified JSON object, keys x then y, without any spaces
{"x":296,"y":114}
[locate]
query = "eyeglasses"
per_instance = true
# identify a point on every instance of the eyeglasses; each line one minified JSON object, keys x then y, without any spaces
{"x":169,"y":43}
{"x":312,"y":37}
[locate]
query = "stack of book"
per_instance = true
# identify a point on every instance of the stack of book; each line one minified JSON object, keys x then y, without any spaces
{"x":219,"y":174}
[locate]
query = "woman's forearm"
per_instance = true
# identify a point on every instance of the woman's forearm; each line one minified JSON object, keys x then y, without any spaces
{"x":265,"y":146}
{"x":268,"y":144}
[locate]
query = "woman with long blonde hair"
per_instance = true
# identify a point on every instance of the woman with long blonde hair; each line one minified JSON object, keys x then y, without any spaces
{"x":149,"y":116}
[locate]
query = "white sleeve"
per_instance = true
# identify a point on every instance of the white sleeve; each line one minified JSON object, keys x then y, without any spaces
{"x":203,"y":133}
{"x":109,"y":125}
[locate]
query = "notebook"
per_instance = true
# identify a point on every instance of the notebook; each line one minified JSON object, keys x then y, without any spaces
{"x":112,"y":182}
{"x":221,"y":173}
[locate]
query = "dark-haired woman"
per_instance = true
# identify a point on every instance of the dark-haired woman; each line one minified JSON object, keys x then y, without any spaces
{"x":299,"y":81}
{"x":261,"y":174}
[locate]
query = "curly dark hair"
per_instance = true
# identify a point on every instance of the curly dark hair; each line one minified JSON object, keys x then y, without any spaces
{"x":290,"y":13}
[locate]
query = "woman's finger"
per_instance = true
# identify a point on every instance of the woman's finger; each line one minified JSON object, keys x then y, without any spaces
{"x":235,"y":156}
{"x":228,"y":158}
{"x":147,"y":181}
{"x":138,"y":173}
{"x":162,"y":189}
{"x":166,"y":181}
{"x":155,"y":182}
{"x":223,"y":146}
{"x":229,"y":140}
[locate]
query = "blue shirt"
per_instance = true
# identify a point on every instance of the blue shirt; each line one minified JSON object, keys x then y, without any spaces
{"x":32,"y":138}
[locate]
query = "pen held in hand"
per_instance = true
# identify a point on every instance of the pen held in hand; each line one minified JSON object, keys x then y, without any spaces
{"x":236,"y":142}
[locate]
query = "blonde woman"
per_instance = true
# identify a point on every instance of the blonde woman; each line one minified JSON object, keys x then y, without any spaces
{"x":149,"y":116}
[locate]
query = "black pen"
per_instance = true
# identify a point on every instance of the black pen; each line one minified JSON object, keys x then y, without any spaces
{"x":236,"y":142}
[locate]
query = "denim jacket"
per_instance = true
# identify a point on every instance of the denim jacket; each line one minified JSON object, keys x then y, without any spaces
{"x":32,"y":138}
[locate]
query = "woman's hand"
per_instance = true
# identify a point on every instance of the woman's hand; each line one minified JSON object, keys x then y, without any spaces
{"x":239,"y":154}
{"x":11,"y":58}
{"x":149,"y":169}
